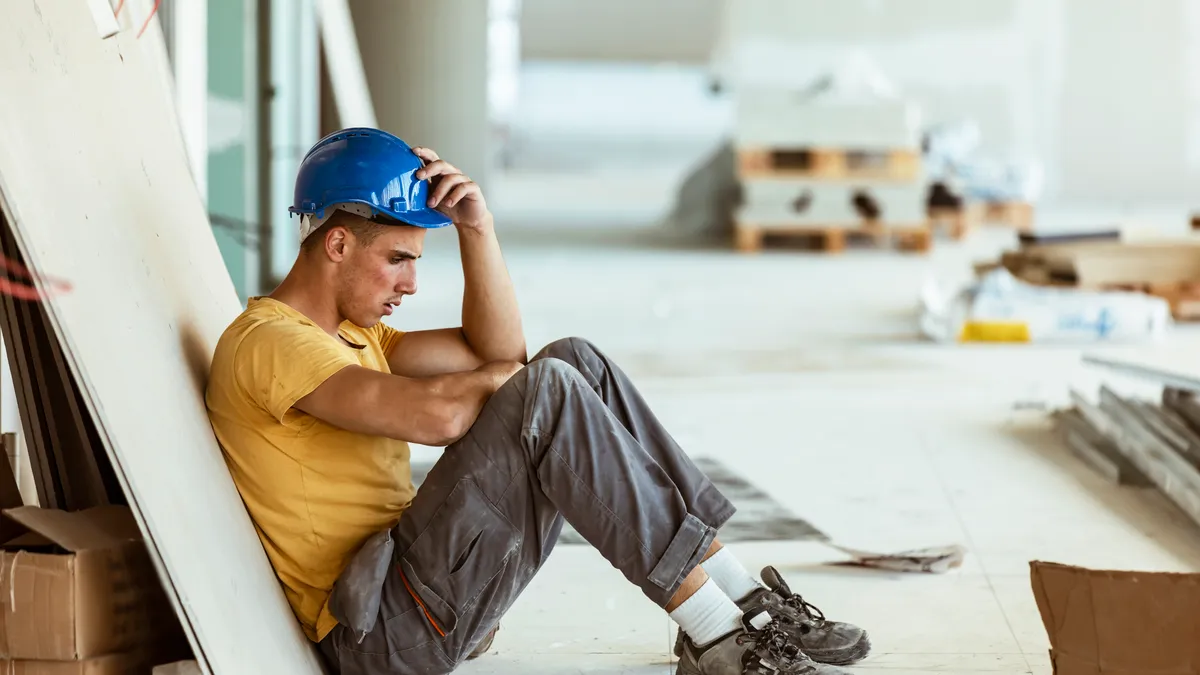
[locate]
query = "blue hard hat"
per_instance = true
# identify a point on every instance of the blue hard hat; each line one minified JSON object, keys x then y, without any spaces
{"x":365,"y":166}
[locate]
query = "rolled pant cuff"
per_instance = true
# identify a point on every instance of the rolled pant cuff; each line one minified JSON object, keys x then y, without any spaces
{"x":687,"y":548}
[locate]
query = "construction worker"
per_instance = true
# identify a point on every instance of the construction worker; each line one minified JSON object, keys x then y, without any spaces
{"x":314,"y":400}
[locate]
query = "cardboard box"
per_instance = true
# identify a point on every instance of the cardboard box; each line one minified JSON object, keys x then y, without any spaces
{"x":78,"y":585}
{"x":109,"y":664}
{"x":1119,"y":623}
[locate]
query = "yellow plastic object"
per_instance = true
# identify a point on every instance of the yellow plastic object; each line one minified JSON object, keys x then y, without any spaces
{"x":994,"y":331}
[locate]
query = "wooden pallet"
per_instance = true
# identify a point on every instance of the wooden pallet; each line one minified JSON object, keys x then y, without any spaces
{"x":1018,"y":215}
{"x":749,"y":237}
{"x":829,"y":163}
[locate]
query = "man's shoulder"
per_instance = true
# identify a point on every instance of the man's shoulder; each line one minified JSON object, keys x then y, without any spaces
{"x":265,"y":343}
{"x":264,"y":320}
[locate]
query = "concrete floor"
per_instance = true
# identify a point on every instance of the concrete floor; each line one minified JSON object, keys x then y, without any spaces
{"x":804,"y":373}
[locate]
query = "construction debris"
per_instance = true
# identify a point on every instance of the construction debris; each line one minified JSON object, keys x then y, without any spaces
{"x":1001,"y":308}
{"x":936,"y":560}
{"x":1102,"y":261}
{"x":951,"y":156}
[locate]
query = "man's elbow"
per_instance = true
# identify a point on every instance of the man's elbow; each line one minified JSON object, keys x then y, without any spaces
{"x":450,"y":422}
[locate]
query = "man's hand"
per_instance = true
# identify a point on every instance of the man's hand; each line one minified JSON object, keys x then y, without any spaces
{"x":452,"y":193}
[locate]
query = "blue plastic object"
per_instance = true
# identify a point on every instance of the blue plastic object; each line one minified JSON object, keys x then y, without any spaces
{"x":365,"y":166}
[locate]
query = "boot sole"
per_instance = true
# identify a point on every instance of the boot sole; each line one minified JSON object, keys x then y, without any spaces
{"x":680,"y":670}
{"x":845,"y":657}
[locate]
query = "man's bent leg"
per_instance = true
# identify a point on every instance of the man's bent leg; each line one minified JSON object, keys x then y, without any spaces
{"x":652,"y":524}
{"x":618,"y":392}
{"x":828,"y":641}
{"x":489,"y":512}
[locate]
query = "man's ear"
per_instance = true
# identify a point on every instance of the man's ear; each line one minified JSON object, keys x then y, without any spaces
{"x":335,"y":244}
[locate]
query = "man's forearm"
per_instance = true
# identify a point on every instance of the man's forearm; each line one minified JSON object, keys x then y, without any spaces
{"x":466,"y":393}
{"x":491,"y":319}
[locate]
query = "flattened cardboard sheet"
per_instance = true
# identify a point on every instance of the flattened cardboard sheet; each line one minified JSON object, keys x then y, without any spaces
{"x":1103,"y":622}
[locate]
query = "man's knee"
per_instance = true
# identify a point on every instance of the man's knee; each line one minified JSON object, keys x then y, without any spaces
{"x":553,"y":377}
{"x":568,"y":349}
{"x":550,"y":367}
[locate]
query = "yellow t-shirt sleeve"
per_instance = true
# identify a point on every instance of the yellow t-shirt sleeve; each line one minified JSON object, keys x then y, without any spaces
{"x":279,"y":363}
{"x":387,"y":337}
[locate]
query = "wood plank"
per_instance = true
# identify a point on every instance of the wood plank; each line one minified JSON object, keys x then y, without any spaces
{"x":151,"y":297}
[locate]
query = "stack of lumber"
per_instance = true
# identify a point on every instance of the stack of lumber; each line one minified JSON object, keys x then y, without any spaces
{"x":829,"y":171}
{"x":1169,"y":269}
{"x":115,"y":367}
{"x":1139,"y":442}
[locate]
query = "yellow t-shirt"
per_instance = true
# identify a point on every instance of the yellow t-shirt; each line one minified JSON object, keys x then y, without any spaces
{"x":315,"y":492}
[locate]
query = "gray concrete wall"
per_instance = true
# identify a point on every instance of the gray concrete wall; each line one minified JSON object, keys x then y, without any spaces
{"x":619,"y":30}
{"x":426,"y":65}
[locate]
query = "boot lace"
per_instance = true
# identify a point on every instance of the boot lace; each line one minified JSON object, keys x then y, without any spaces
{"x":806,"y":608}
{"x":773,"y":652}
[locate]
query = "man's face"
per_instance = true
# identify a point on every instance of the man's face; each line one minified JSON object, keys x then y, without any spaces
{"x":373,"y":278}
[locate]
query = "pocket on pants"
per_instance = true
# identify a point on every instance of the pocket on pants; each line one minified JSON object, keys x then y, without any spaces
{"x":460,"y":551}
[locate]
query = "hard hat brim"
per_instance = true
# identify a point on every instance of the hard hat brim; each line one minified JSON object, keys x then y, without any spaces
{"x":427,"y":218}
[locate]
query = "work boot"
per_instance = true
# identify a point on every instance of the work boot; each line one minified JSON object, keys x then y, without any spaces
{"x":832,"y":642}
{"x":769,"y":650}
{"x":825,"y":641}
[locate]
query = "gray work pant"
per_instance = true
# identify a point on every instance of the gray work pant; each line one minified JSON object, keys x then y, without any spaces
{"x":567,"y":437}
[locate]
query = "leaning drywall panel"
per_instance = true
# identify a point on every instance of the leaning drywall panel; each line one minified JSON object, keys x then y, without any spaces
{"x":94,"y":178}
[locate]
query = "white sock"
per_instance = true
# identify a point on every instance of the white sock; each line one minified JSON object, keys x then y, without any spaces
{"x":707,"y":615}
{"x":729,"y":574}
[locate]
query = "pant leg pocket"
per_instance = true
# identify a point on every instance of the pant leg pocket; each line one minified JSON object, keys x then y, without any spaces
{"x":466,"y":543}
{"x":403,"y":645}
